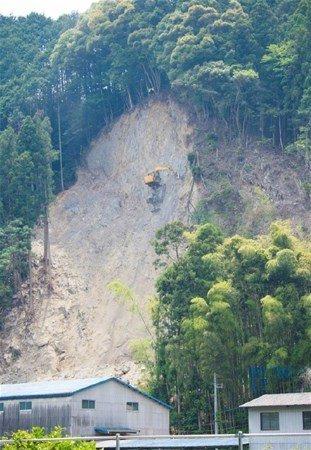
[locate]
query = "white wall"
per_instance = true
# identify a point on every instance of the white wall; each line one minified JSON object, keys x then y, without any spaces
{"x":110,"y":410}
{"x":290,"y":420}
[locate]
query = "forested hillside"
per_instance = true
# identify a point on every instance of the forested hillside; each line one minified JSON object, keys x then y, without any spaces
{"x":242,"y":72}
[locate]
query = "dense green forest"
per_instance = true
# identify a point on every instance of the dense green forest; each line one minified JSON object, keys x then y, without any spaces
{"x":236,"y":306}
{"x":244,"y":63}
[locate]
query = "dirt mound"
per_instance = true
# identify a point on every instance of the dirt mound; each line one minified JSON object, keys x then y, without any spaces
{"x":101,"y":230}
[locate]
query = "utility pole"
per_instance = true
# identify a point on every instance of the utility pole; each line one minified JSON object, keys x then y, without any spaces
{"x":215,"y":404}
{"x":216,"y":387}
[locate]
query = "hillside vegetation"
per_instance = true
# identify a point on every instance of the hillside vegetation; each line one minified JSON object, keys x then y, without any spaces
{"x":235,"y":82}
{"x":246,"y":63}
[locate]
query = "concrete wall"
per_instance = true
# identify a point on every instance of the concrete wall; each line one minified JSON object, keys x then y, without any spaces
{"x":47,"y":413}
{"x":110,"y":410}
{"x":290,"y":420}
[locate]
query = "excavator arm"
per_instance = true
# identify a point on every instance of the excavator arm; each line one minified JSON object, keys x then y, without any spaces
{"x":152,"y":178}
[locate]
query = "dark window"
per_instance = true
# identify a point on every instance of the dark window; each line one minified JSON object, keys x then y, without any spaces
{"x":25,"y":406}
{"x":269,"y":421}
{"x":1,"y":407}
{"x":132,"y":406}
{"x":88,"y":404}
{"x":306,"y":420}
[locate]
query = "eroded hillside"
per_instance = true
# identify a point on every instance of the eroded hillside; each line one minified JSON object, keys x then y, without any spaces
{"x":101,"y":230}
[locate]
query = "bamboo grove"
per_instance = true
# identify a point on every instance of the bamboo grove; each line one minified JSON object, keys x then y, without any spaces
{"x":234,"y":306}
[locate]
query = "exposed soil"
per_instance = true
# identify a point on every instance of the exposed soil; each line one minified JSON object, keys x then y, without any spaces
{"x":101,"y":230}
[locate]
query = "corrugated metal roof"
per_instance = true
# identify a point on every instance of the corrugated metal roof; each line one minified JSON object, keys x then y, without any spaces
{"x":294,"y":399}
{"x":47,"y":388}
{"x":61,"y":388}
{"x":209,"y":441}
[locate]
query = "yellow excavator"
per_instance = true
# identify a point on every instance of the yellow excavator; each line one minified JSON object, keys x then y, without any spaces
{"x":158,"y":188}
{"x":153,"y":179}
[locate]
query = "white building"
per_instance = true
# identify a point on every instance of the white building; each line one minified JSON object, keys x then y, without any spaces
{"x":273,"y":415}
{"x":82,"y":407}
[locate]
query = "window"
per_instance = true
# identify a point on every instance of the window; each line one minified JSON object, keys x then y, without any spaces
{"x":132,"y":406}
{"x":306,"y":420}
{"x":1,"y":407}
{"x":25,"y":406}
{"x":269,"y":421}
{"x":88,"y":404}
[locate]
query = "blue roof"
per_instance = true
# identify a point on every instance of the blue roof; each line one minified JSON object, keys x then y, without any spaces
{"x":61,"y":388}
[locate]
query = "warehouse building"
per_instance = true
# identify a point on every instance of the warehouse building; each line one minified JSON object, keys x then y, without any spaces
{"x":82,"y":407}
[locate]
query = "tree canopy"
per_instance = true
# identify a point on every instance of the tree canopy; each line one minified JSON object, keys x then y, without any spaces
{"x":246,"y":64}
{"x":236,"y":307}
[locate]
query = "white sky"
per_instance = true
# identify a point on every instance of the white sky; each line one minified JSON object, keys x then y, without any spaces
{"x":52,"y":8}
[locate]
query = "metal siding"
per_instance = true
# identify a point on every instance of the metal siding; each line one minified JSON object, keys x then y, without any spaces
{"x":174,"y":443}
{"x":60,"y":388}
{"x":110,"y":410}
{"x":47,"y":413}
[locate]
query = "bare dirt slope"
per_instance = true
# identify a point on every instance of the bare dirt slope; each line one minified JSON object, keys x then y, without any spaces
{"x":101,"y":230}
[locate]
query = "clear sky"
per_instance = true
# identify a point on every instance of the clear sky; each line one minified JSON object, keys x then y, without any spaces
{"x":52,"y":8}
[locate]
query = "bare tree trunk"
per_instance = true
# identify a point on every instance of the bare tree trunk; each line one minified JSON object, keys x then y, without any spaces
{"x":60,"y":147}
{"x":280,"y":133}
{"x":131,"y":105}
{"x":151,"y":84}
{"x":47,"y":251}
{"x":30,"y":275}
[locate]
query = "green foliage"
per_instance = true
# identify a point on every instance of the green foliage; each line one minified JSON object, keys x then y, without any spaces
{"x":25,"y":190}
{"x":228,"y":304}
{"x":24,"y":440}
{"x":14,"y":251}
{"x":169,"y":243}
{"x":123,"y":293}
{"x":246,"y":63}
